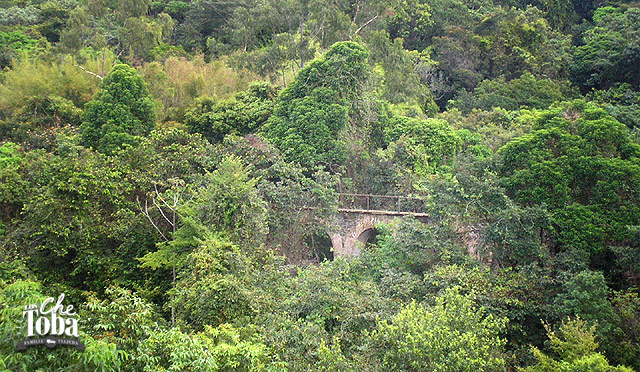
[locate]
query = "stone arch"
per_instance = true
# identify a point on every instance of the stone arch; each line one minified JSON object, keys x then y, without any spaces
{"x":355,"y":233}
{"x":353,"y":229}
{"x":364,"y":236}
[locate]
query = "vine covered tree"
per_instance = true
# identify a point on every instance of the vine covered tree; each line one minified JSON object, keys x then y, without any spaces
{"x":121,"y":111}
{"x":314,"y":108}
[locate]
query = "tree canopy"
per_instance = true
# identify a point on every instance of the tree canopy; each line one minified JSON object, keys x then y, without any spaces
{"x":121,"y":111}
{"x":362,"y":185}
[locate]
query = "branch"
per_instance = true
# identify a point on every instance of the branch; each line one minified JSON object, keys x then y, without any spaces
{"x":89,"y":72}
{"x":161,"y":199}
{"x":146,"y":213}
{"x":366,"y":24}
{"x":162,"y":212}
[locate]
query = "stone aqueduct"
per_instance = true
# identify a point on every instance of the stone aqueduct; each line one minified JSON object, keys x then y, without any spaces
{"x":359,"y":214}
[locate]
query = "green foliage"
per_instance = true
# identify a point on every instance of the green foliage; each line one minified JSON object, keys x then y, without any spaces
{"x":451,"y":335}
{"x":492,"y":226}
{"x":229,"y":202}
{"x":10,"y":157}
{"x":523,"y":41}
{"x":306,"y":129}
{"x":274,"y":60}
{"x":576,"y":348}
{"x":17,"y":41}
{"x":209,"y":291}
{"x":12,"y":185}
{"x":205,"y":244}
{"x":15,"y":15}
{"x":12,"y":44}
{"x":40,"y":78}
{"x":524,"y":91}
{"x":621,"y":102}
{"x":495,"y":127}
{"x":522,"y":295}
{"x":140,"y":34}
{"x":506,"y":42}
{"x":39,"y":120}
{"x":53,"y":18}
{"x":626,"y":305}
{"x":581,"y":163}
{"x":122,"y":25}
{"x":512,"y":237}
{"x":312,"y":110}
{"x":122,"y":111}
{"x":226,"y":206}
{"x":412,"y":24}
{"x":560,"y":13}
{"x":610,"y":50}
{"x":288,"y":193}
{"x":401,"y":77}
{"x":71,"y":217}
{"x":164,"y":166}
{"x":165,"y":159}
{"x":278,"y":38}
{"x":342,"y":70}
{"x":429,"y":143}
{"x":201,"y":20}
{"x":411,"y":246}
{"x":585,"y":295}
{"x":328,"y":306}
{"x":215,"y":349}
{"x":121,"y":318}
{"x":244,"y":112}
{"x":177,"y":81}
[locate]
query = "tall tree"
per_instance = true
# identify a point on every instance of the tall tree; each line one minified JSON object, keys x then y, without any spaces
{"x":314,"y":108}
{"x":122,"y":110}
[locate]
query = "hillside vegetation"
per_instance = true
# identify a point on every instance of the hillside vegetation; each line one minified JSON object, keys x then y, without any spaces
{"x":174,"y":168}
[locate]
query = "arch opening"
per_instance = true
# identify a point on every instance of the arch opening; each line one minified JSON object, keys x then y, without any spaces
{"x":367,"y":237}
{"x":320,"y":246}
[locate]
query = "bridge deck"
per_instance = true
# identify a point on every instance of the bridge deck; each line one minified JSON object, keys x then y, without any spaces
{"x":383,"y":212}
{"x":389,"y":205}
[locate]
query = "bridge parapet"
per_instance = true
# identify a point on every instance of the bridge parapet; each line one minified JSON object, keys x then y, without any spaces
{"x":360,"y":213}
{"x":390,"y":203}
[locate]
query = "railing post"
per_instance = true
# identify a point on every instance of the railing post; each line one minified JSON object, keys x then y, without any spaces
{"x":395,"y":203}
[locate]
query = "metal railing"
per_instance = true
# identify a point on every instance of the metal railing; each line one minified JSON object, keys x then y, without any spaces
{"x":392,"y":203}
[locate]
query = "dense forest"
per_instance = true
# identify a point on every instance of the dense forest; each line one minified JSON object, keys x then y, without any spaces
{"x":174,"y":167}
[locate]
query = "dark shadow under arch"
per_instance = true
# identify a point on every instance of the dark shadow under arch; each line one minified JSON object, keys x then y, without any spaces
{"x":320,"y":246}
{"x":368,"y":236}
